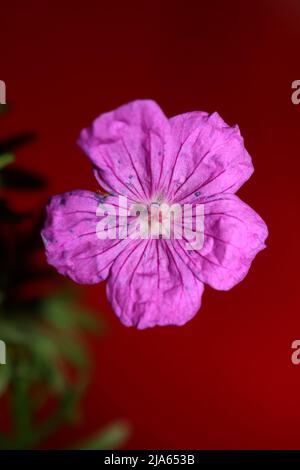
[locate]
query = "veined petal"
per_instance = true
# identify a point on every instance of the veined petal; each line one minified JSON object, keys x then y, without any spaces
{"x":233,"y":235}
{"x":150,"y":284}
{"x":127,"y":147}
{"x":70,"y":237}
{"x":209,"y":157}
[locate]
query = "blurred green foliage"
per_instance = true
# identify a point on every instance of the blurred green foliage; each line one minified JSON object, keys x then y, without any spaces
{"x":45,"y":357}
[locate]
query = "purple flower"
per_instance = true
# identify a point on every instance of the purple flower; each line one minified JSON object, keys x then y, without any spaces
{"x":137,"y":152}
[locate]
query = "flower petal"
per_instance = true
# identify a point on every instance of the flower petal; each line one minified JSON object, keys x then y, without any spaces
{"x":210,"y":157}
{"x":72,"y":245}
{"x":150,"y":285}
{"x":233,"y":235}
{"x":127,"y":148}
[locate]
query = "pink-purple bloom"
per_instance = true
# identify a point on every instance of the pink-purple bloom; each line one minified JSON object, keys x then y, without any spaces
{"x":136,"y":151}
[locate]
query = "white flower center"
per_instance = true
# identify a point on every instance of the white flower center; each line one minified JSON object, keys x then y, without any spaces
{"x":157,"y":219}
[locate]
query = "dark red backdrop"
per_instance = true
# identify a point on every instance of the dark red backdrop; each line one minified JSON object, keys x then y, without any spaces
{"x":225,"y":380}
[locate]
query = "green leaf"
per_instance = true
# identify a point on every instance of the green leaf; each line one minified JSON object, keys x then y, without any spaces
{"x":111,"y":438}
{"x":43,"y":345}
{"x":72,"y":351}
{"x":12,"y":333}
{"x":50,"y":375}
{"x":61,"y":312}
{"x":6,"y":159}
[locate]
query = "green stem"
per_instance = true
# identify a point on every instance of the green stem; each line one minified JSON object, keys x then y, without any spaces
{"x":21,"y":406}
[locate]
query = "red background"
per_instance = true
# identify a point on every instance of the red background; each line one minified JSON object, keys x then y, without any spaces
{"x":225,"y":380}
